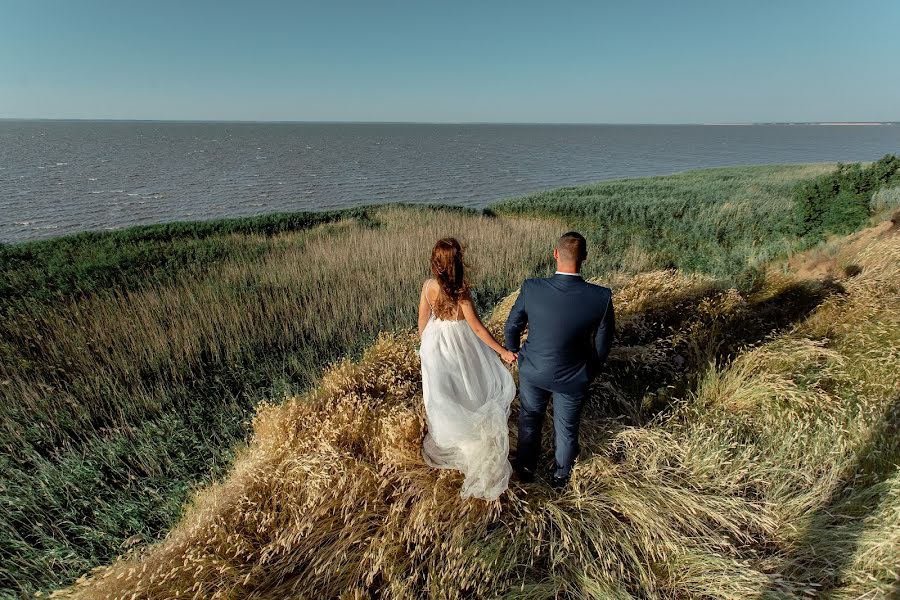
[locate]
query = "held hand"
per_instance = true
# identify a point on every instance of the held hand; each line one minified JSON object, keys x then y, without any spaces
{"x":508,"y":356}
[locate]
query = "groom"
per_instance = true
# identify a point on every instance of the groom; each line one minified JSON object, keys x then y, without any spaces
{"x":570,"y":329}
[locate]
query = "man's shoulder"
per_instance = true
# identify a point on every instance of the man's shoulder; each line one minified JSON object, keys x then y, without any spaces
{"x":598,"y":286}
{"x":538,"y":283}
{"x":533,"y":282}
{"x":600,"y":290}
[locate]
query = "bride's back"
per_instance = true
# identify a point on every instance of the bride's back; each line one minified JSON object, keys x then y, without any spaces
{"x":442,"y":306}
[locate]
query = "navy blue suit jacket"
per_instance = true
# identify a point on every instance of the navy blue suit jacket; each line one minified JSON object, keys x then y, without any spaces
{"x":570,"y":330}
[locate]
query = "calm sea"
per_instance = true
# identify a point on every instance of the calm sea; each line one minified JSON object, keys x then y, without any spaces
{"x":59,"y":177}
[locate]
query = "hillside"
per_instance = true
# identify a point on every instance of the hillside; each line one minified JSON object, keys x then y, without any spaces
{"x":131,"y":367}
{"x":132,"y":362}
{"x":757,"y":457}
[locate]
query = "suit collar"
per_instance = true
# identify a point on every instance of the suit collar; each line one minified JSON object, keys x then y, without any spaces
{"x":567,"y":278}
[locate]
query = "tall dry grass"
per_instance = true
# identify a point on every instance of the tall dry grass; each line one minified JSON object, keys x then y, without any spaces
{"x":885,"y":200}
{"x":314,"y":291}
{"x":114,"y":403}
{"x":773,"y":475}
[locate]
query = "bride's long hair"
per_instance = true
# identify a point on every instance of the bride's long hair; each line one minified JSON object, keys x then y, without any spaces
{"x":449,"y":270}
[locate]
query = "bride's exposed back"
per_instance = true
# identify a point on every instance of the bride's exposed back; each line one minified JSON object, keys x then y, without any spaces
{"x":467,"y":390}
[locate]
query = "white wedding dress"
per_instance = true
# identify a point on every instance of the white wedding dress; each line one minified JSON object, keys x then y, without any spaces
{"x":467,"y":393}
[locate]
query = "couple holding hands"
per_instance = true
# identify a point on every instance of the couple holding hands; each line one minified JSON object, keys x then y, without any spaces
{"x":468,"y":392}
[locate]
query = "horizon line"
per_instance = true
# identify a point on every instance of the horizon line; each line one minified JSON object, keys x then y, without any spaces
{"x":369,"y":122}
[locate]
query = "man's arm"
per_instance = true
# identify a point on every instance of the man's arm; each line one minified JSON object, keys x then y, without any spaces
{"x":516,"y":322}
{"x":603,"y":337}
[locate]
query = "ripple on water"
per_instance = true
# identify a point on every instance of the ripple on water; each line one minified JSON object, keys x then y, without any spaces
{"x":200,"y":170}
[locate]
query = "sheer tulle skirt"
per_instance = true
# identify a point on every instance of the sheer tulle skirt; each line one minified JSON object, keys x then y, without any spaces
{"x":468,"y":393}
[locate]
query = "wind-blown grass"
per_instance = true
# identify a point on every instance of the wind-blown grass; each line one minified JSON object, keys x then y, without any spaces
{"x":131,"y":361}
{"x":117,"y":401}
{"x":133,"y":257}
{"x":775,"y":473}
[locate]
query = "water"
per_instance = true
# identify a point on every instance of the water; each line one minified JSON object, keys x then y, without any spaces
{"x":61,"y":177}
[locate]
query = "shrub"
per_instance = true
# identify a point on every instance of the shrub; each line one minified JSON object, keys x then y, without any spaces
{"x":885,"y":200}
{"x":841,"y":202}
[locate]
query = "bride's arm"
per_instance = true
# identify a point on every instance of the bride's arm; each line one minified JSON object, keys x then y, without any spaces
{"x":474,"y":321}
{"x":424,"y":309}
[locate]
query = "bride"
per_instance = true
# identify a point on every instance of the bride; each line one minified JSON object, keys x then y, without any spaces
{"x":467,"y":390}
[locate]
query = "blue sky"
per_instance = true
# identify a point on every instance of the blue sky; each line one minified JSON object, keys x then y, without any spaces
{"x":452,"y":61}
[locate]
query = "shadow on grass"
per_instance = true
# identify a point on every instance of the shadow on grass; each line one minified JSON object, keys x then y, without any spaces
{"x":656,"y":365}
{"x":659,"y":355}
{"x":817,"y":564}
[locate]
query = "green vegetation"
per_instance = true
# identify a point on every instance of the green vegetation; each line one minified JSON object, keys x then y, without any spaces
{"x":718,"y":221}
{"x":142,"y":256}
{"x":842,"y":201}
{"x":117,"y":400}
{"x":774,"y":475}
{"x":885,"y":200}
{"x":132,"y":361}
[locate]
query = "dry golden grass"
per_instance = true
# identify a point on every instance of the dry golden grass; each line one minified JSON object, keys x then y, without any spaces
{"x":115,"y":403}
{"x":313,"y":291}
{"x":774,"y":476}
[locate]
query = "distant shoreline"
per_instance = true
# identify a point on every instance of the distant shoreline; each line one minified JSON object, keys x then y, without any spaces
{"x":63,"y":177}
{"x":288,"y":220}
{"x":430,"y":123}
{"x":823,"y":123}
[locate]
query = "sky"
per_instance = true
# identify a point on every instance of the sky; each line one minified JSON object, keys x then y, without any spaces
{"x":453,"y":61}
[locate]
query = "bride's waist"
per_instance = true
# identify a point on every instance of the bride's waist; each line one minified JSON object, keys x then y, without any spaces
{"x":436,"y":330}
{"x":437,"y":321}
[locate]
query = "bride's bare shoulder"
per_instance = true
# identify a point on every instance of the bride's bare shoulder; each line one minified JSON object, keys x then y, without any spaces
{"x":431,"y":289}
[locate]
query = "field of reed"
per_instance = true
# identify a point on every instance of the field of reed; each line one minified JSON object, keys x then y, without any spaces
{"x":738,"y":445}
{"x":717,"y":221}
{"x":116,"y":401}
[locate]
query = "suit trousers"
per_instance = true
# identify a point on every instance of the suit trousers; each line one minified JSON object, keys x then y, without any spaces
{"x":567,"y":407}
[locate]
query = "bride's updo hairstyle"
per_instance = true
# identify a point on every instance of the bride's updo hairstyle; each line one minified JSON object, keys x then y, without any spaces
{"x":448,"y":269}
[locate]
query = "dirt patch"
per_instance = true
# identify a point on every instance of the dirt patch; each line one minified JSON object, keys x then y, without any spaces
{"x":829,"y":259}
{"x":895,"y":222}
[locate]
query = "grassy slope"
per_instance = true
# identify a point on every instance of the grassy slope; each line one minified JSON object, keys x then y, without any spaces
{"x":132,"y":359}
{"x":131,"y":258}
{"x":116,"y":400}
{"x":773,"y":475}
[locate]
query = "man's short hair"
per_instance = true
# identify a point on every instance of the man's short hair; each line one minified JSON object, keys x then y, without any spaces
{"x":572,"y":247}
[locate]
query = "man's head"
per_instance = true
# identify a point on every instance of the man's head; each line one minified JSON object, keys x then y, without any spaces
{"x":570,"y":252}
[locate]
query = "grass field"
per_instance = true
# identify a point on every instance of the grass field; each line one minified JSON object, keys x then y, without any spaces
{"x":133,"y":361}
{"x":774,"y":476}
{"x":118,"y":400}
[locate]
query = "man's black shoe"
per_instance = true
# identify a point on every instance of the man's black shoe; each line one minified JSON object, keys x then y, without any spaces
{"x":524,"y":475}
{"x":558,"y":483}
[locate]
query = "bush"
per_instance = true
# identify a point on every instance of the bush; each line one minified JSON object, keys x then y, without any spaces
{"x":841,"y":202}
{"x":884,"y":200}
